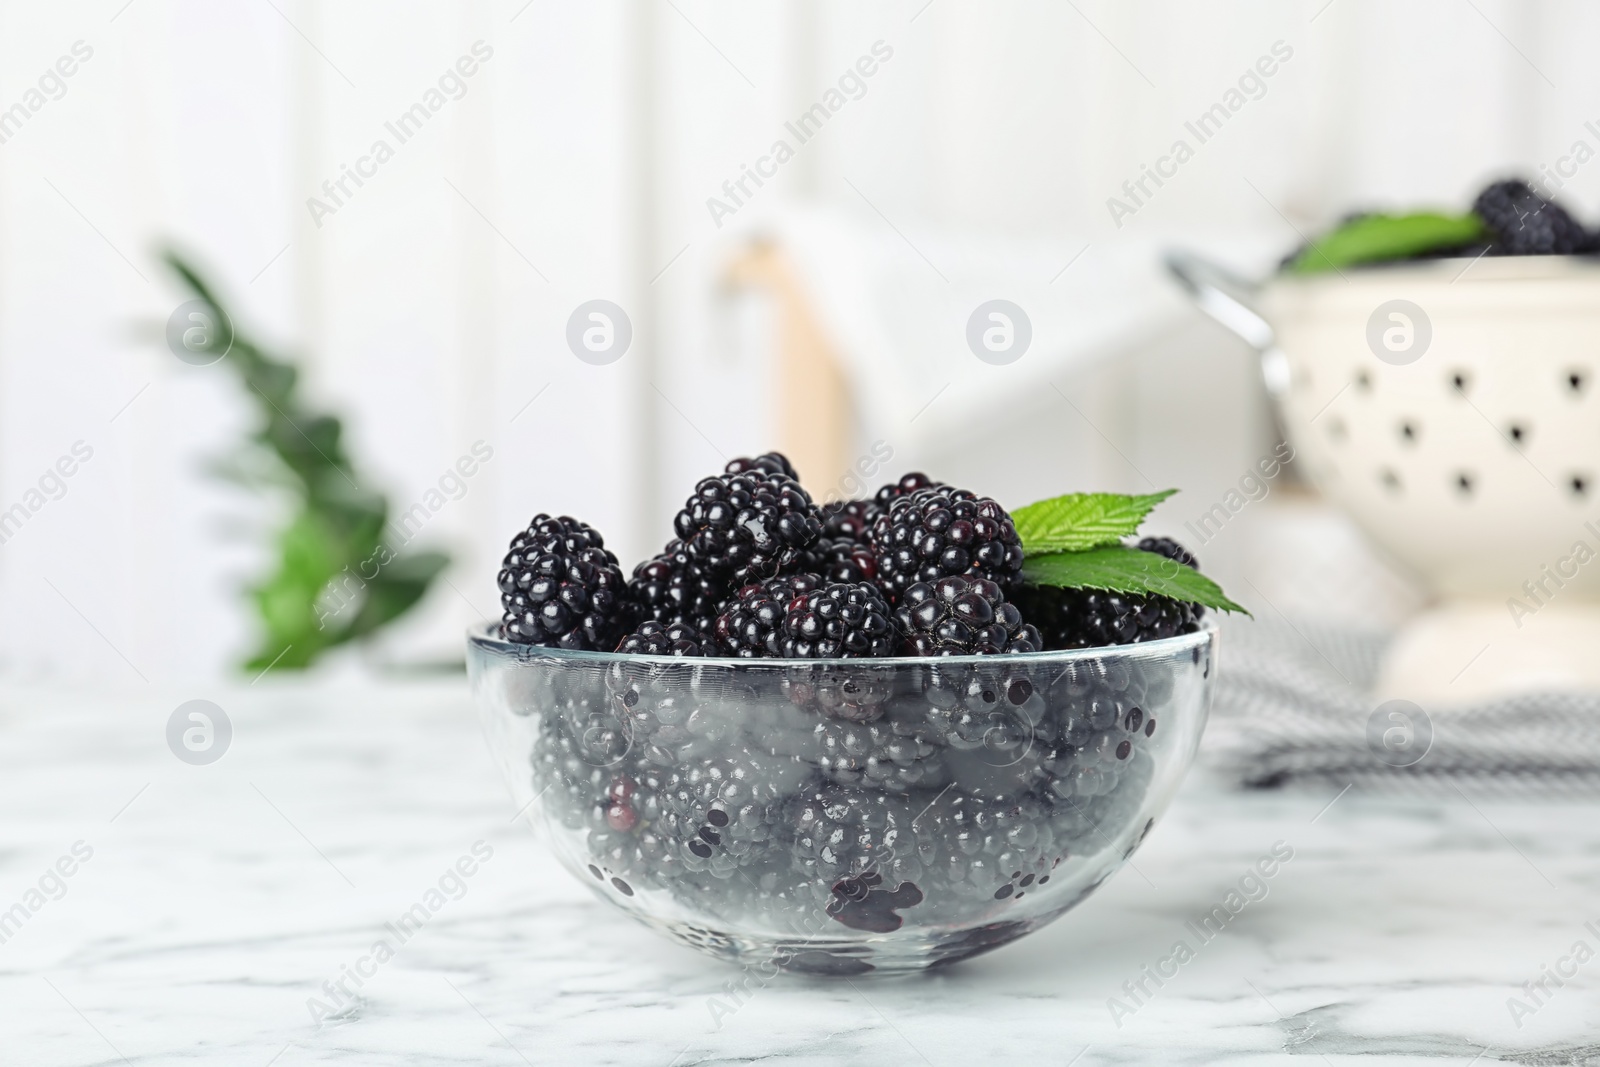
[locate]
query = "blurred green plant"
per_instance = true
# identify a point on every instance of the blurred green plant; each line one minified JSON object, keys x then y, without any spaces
{"x":337,"y":578}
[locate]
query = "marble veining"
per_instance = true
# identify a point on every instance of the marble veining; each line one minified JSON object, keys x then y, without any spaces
{"x":219,"y":899}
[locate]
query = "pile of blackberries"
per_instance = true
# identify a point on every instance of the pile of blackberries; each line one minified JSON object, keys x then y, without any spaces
{"x":757,"y":570}
{"x":807,"y":794}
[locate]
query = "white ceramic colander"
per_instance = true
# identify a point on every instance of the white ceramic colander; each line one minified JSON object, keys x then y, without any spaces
{"x":1451,"y":407}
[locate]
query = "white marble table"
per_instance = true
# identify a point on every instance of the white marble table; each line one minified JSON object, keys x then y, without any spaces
{"x":219,"y":898}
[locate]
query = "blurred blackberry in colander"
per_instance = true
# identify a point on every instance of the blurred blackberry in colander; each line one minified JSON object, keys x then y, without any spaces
{"x":1526,"y":224}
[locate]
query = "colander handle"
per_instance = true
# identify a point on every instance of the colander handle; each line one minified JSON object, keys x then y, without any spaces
{"x":1223,"y":295}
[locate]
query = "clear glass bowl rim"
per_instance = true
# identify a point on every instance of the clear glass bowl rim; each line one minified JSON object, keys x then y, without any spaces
{"x":482,"y":637}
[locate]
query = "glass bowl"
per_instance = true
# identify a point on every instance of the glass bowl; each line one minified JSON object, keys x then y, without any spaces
{"x":844,"y":816}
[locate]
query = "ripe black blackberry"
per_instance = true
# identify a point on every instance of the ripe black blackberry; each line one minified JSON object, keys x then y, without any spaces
{"x":671,"y":588}
{"x":723,"y":812}
{"x":962,"y":617}
{"x":840,"y":832}
{"x":1526,"y":224}
{"x":907,"y":485}
{"x":994,"y":723}
{"x":938,"y":532}
{"x":751,"y":624}
{"x":771,"y":462}
{"x":1086,"y":618}
{"x":849,"y":518}
{"x":984,"y":848}
{"x":747,"y":526}
{"x":561,"y":588}
{"x":667,"y":639}
{"x":1166,"y":546}
{"x":858,"y":694}
{"x":900,"y":752}
{"x":842,"y":620}
{"x":841,"y":559}
{"x":1099,"y":713}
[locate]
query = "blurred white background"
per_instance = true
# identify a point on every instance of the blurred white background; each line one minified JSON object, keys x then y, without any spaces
{"x":431,"y":307}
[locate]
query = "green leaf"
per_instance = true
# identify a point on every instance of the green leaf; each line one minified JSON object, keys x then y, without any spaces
{"x":397,"y":587}
{"x":1082,"y":520}
{"x":1376,"y":238}
{"x":337,"y":522}
{"x":1121,"y":569}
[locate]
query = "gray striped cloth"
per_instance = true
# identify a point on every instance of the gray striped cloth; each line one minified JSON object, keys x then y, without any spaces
{"x":1293,"y":707}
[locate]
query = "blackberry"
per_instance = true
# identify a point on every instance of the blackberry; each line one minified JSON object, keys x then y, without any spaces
{"x":850,"y":518}
{"x":1086,"y":618}
{"x":771,"y":462}
{"x":980,"y":848}
{"x":1166,"y":546}
{"x":839,"y":832}
{"x":561,"y":587}
{"x":841,"y":559}
{"x":842,"y":620}
{"x":1526,"y":224}
{"x":670,"y":588}
{"x":743,"y":527}
{"x":907,"y":485}
{"x":995,"y":724}
{"x":723,"y":812}
{"x":900,"y":752}
{"x":962,"y":617}
{"x":577,"y":758}
{"x":752,"y":623}
{"x":670,"y":639}
{"x":856,"y":694}
{"x":938,"y":532}
{"x":1098,"y":708}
